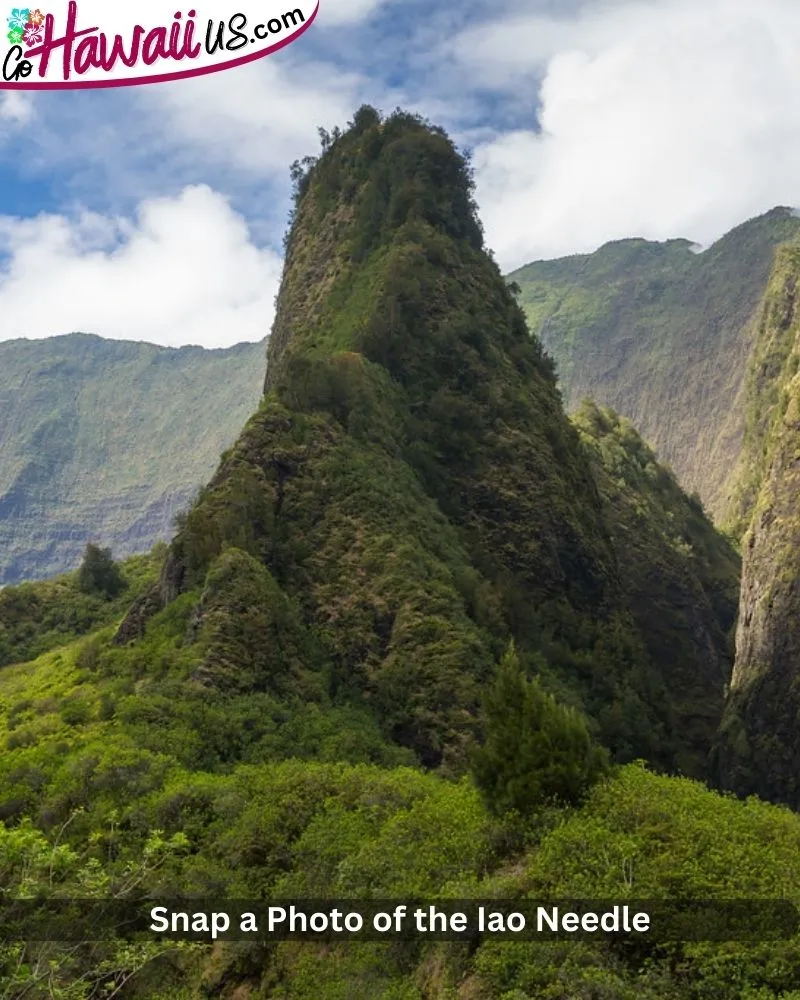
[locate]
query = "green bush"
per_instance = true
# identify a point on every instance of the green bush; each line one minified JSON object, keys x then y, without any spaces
{"x":99,"y":574}
{"x":536,"y":751}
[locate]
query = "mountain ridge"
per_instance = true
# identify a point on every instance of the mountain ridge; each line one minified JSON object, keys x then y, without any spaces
{"x":40,"y":484}
{"x":107,"y":440}
{"x":663,"y":335}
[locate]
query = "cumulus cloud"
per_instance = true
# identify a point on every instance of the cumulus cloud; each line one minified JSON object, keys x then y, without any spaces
{"x":590,"y":120}
{"x":657,"y":119}
{"x":183,"y":271}
{"x":260,"y":117}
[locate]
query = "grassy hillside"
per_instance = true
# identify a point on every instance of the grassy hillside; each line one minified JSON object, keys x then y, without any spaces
{"x":107,"y":441}
{"x":662,"y":335}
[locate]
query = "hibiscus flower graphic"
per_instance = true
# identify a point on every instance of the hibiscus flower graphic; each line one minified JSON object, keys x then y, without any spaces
{"x":33,"y":34}
{"x":15,"y":36}
{"x":19,"y":18}
{"x":36,"y":17}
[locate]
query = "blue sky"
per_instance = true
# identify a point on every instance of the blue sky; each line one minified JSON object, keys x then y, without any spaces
{"x":157,"y":212}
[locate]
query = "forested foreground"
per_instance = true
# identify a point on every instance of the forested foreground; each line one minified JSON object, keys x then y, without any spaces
{"x":120,"y":779}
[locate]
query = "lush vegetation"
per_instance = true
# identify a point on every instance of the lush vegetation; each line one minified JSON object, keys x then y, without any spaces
{"x":103,"y":796}
{"x":107,"y":440}
{"x":535,"y":751}
{"x":663,"y":335}
{"x":409,"y":641}
{"x":37,"y":617}
{"x":768,"y":383}
{"x":99,"y":574}
{"x":681,"y":581}
{"x":758,"y":742}
{"x":411,"y":483}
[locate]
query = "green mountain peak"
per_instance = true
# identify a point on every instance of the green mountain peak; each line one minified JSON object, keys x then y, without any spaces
{"x":411,"y":484}
{"x":409,"y":553}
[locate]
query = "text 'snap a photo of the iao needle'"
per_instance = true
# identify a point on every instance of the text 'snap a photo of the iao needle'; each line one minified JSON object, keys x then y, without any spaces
{"x":400,"y":500}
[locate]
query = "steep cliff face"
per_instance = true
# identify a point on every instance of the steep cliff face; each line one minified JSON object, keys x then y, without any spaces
{"x":412,"y":487}
{"x":680,"y":578}
{"x":107,"y":441}
{"x":410,"y":478}
{"x":387,"y":286}
{"x":663,"y":335}
{"x":759,"y":744}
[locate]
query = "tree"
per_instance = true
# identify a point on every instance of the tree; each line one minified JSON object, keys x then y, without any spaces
{"x":99,"y":574}
{"x":536,"y":751}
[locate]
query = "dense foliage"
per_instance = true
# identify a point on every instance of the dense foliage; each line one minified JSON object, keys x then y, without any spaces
{"x":102,"y":802}
{"x":758,"y":742}
{"x":412,"y":485}
{"x":99,"y":574}
{"x":37,"y":617}
{"x":535,"y":751}
{"x":681,"y":582}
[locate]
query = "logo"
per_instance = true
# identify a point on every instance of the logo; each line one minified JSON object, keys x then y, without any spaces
{"x":96,"y":44}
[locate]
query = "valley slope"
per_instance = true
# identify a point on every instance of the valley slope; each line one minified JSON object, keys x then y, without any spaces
{"x":758,"y":749}
{"x":662,"y":334}
{"x":107,"y":441}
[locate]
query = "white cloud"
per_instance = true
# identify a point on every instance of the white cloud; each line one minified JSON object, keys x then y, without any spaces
{"x":499,"y":53}
{"x":256,"y":118}
{"x":238,"y":130}
{"x":15,"y":107}
{"x":658,"y":119}
{"x":260,"y":117}
{"x":185,"y":271}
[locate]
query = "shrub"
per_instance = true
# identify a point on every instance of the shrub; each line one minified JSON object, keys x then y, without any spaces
{"x":535,"y":751}
{"x":99,"y":574}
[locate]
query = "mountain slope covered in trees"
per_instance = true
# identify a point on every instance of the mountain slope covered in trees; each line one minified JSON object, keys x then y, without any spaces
{"x":107,"y":441}
{"x":655,"y":331}
{"x":663,"y":334}
{"x":413,"y":485}
{"x":760,"y":738}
